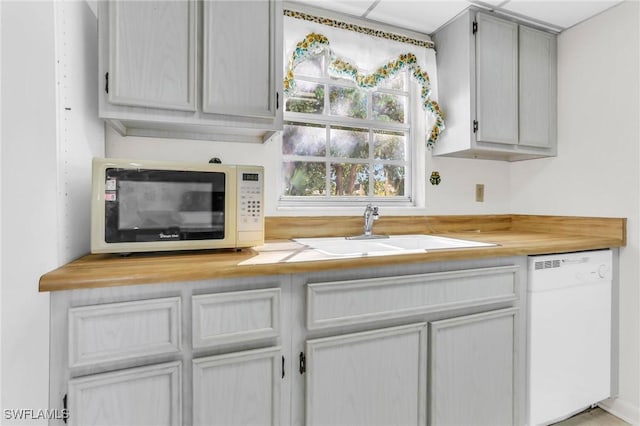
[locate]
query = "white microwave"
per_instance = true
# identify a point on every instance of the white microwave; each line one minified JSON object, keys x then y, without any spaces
{"x":141,"y":206}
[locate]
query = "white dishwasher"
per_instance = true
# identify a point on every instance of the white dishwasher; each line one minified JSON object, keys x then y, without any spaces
{"x":569,"y":334}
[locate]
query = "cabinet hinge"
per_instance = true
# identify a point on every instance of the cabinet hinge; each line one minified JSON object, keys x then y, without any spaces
{"x":474,"y":27}
{"x":475,"y":126}
{"x":303,"y":363}
{"x":106,"y":82}
{"x":65,"y":411}
{"x":283,"y":366}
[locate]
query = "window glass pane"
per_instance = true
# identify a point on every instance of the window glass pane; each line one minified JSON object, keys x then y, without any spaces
{"x":312,"y":67}
{"x":387,"y":107}
{"x":389,"y":145}
{"x":308,"y":97}
{"x":349,"y":179}
{"x":349,"y":142}
{"x":304,"y":178}
{"x":388,"y":180}
{"x":304,"y":139}
{"x":347,"y":102}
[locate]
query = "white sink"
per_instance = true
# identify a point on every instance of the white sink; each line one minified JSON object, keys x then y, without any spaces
{"x":395,"y":244}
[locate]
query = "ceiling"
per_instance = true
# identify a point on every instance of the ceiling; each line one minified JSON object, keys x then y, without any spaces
{"x":426,"y":16}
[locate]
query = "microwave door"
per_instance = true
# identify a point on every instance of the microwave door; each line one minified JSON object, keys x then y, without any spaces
{"x":165,"y":205}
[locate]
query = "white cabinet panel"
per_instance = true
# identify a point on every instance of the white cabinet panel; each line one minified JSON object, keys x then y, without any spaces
{"x":537,"y":87}
{"x":367,"y":379}
{"x":235,"y":317}
{"x":119,"y":331}
{"x":237,"y":389}
{"x":473,"y":370}
{"x":238,"y":72}
{"x":331,"y":304}
{"x":497,"y":80}
{"x":152,"y":53}
{"x":146,"y":396}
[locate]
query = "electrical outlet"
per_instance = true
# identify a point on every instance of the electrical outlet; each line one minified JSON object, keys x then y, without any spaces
{"x":480,"y":192}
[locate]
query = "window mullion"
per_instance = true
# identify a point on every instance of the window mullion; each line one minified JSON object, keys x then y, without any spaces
{"x":345,"y":122}
{"x":327,"y":177}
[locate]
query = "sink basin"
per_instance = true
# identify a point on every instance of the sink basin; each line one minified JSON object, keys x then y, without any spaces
{"x":395,"y":244}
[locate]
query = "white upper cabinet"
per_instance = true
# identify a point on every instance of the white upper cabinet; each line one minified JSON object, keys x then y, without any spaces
{"x":497,"y":88}
{"x":193,"y":69}
{"x":238,"y":71}
{"x":537,"y":87}
{"x":497,"y":80}
{"x":152,"y":61}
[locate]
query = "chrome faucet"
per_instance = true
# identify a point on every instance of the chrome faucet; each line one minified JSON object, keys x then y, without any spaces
{"x":370,"y":215}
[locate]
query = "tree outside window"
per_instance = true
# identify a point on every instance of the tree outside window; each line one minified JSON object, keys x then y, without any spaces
{"x":344,"y":143}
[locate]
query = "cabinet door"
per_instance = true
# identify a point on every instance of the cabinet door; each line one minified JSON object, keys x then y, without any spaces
{"x":370,"y":378}
{"x":238,"y":389}
{"x":137,"y":396}
{"x":496,"y":80}
{"x":473,"y":370}
{"x":239,"y":58}
{"x":152,"y":60}
{"x":537,"y":88}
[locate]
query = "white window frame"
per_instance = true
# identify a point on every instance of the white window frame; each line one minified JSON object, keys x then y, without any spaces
{"x":414,"y":127}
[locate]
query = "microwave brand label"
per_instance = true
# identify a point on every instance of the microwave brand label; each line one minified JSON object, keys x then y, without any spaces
{"x":171,"y":236}
{"x":110,"y":185}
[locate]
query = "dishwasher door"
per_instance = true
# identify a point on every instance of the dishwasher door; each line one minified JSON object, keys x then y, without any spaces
{"x":569,"y":334}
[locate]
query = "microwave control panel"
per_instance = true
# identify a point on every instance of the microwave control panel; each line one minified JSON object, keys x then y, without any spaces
{"x":250,"y":199}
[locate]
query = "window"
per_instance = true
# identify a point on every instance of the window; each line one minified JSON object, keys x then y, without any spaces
{"x":341,"y":142}
{"x":344,"y":143}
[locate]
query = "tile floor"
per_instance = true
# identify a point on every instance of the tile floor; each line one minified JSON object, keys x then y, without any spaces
{"x":594,"y":417}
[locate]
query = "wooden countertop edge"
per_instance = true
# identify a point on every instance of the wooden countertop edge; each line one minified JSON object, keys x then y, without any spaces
{"x":95,"y":271}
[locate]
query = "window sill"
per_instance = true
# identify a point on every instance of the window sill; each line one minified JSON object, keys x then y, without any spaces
{"x":347,"y":210}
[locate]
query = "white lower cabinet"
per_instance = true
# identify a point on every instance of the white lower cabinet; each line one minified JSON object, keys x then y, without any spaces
{"x":427,"y":344}
{"x":237,"y":389}
{"x":438,"y":348}
{"x":473,"y":369}
{"x":149,"y":395}
{"x":365,"y":379}
{"x":200,"y":353}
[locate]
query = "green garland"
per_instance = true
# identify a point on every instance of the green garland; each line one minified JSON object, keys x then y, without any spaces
{"x":315,"y":44}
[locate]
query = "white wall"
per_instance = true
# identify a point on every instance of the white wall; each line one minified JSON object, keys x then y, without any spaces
{"x":29,"y":169}
{"x":80,"y":131}
{"x":455,"y":195}
{"x":50,"y":130}
{"x":1,"y":236}
{"x":597,"y":171}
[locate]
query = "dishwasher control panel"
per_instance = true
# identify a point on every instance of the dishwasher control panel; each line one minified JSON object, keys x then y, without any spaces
{"x":546,"y":271}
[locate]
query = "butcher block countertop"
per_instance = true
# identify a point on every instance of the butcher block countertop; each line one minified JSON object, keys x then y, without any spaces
{"x":514,"y":235}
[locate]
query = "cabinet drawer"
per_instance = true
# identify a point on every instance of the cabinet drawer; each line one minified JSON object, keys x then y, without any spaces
{"x":119,"y":331}
{"x":338,"y":303}
{"x":235,"y":317}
